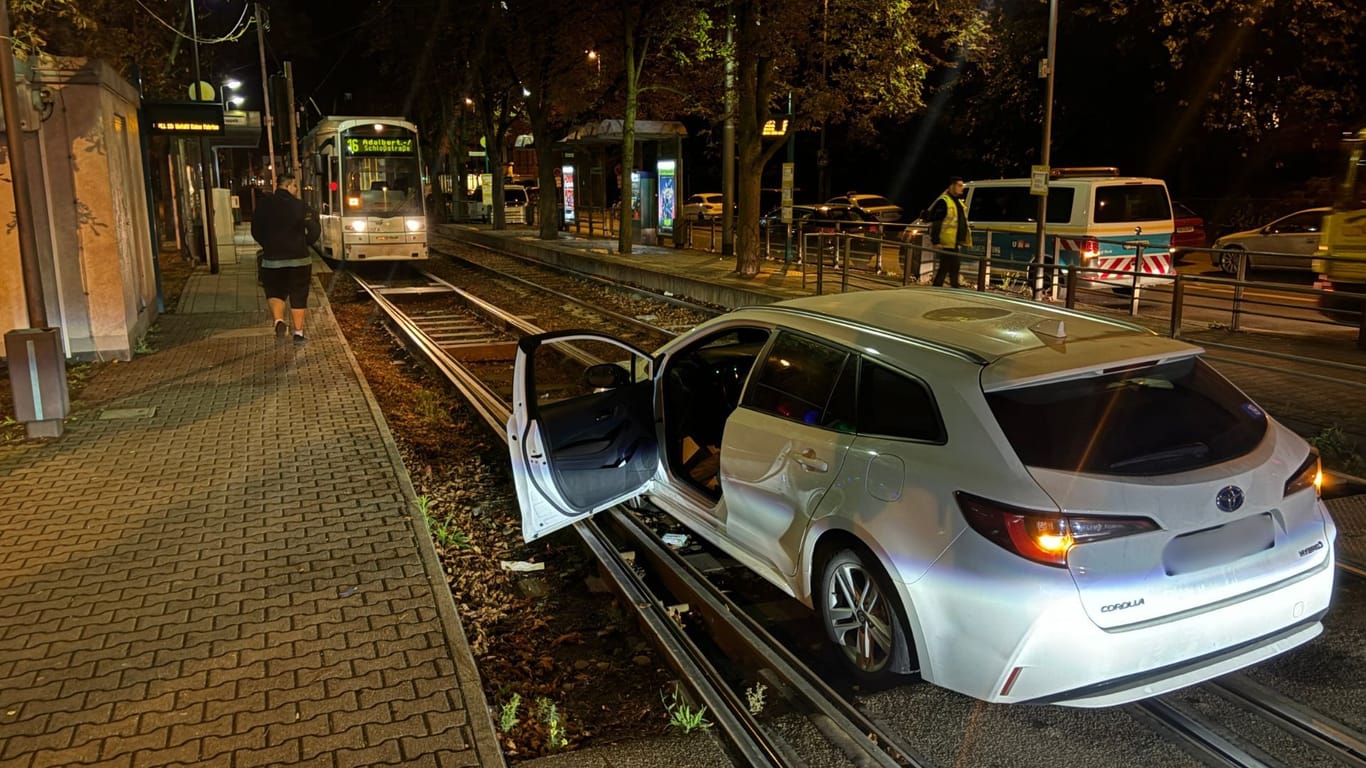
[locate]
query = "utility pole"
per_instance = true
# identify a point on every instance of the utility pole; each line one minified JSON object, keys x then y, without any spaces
{"x":293,"y":119}
{"x":205,"y":191}
{"x":265,"y":94}
{"x":1046,"y":69}
{"x":37,"y":362}
{"x":728,"y":145}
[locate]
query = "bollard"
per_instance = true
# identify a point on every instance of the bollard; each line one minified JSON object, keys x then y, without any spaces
{"x":1137,"y":270}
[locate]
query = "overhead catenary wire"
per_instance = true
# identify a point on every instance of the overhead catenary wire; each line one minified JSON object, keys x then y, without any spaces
{"x":239,"y":29}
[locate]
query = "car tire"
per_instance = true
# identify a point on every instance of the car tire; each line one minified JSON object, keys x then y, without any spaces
{"x":863,"y":618}
{"x":1227,"y":259}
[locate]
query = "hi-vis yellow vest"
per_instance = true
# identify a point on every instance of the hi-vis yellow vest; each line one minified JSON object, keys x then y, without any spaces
{"x":948,"y":228}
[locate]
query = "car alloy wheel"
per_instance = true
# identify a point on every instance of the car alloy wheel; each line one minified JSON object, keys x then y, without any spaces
{"x":861,"y":618}
{"x":1228,"y":260}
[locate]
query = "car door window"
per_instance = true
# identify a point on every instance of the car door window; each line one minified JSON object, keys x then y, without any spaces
{"x":1298,"y":224}
{"x":892,"y":404}
{"x":797,"y":380}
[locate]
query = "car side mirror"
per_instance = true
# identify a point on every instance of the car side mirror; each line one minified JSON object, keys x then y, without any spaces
{"x":605,"y":376}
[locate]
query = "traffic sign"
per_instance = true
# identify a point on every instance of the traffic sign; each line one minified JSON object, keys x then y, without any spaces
{"x":1038,"y":179}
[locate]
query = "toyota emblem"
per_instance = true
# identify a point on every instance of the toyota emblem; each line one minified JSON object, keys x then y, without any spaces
{"x":1229,"y":498}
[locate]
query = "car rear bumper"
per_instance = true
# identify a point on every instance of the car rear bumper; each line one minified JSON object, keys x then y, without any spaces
{"x":1005,"y":633}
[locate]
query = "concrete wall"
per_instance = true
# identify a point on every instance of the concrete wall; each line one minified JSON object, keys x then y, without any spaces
{"x":90,"y":211}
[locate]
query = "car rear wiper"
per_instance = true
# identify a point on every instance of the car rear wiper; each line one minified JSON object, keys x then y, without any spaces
{"x":1188,"y":451}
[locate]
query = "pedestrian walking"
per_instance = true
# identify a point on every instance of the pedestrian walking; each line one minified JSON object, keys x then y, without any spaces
{"x":285,"y":227}
{"x":949,"y":231}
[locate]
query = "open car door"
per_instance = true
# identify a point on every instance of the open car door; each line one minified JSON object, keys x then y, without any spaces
{"x":582,"y":430}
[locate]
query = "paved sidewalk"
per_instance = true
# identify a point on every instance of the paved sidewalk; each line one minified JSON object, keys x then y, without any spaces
{"x":219,"y":565}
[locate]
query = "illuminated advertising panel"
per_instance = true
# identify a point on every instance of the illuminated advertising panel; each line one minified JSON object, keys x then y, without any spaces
{"x":567,"y":172}
{"x":668,"y":194}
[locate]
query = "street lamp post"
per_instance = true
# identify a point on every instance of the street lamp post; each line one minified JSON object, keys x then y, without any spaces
{"x":1047,"y":67}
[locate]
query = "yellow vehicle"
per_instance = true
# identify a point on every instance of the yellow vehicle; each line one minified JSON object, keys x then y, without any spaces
{"x":1341,"y":256}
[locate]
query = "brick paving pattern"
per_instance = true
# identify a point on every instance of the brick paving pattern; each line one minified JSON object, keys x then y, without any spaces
{"x":233,"y":580}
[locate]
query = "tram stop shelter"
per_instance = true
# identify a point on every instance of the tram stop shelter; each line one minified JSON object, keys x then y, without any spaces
{"x":591,"y":177}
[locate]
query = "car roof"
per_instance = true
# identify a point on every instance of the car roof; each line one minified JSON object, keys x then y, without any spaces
{"x":1013,"y":338}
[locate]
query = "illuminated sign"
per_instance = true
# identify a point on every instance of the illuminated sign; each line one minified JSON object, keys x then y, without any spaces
{"x":183,"y":118}
{"x":668,"y":194}
{"x":379,"y":145}
{"x":774,"y":128}
{"x":567,"y":173}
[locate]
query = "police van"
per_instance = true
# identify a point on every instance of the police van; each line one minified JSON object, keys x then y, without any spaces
{"x":1096,"y":219}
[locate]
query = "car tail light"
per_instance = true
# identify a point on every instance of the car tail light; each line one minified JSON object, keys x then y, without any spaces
{"x":872,"y":229}
{"x":1309,"y":473}
{"x":1043,"y":537}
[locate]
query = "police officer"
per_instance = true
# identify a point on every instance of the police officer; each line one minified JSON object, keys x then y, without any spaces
{"x":949,"y":231}
{"x":285,"y":226}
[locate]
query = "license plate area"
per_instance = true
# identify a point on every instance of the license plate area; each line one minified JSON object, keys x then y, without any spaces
{"x":1219,"y":546}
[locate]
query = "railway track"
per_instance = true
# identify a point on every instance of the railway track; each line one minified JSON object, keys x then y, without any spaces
{"x":1303,"y":737}
{"x":861,"y":739}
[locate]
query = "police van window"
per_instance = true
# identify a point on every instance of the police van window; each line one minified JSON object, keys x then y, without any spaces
{"x":797,"y":379}
{"x":1015,"y":204}
{"x":892,"y":404}
{"x":1132,"y":202}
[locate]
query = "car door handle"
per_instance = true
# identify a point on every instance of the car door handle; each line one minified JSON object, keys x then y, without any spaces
{"x":807,"y":460}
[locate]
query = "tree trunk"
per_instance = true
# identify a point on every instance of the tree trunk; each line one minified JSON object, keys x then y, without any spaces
{"x":547,"y":216}
{"x":628,"y":137}
{"x":749,"y":149}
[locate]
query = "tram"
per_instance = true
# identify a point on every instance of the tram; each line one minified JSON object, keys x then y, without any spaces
{"x":363,"y":175}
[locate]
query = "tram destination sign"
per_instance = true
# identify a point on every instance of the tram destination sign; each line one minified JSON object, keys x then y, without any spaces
{"x":360,"y":146}
{"x":183,"y":118}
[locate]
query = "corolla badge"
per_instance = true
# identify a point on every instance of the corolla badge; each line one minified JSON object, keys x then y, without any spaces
{"x":1229,"y":498}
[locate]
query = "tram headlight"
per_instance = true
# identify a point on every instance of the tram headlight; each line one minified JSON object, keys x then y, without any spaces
{"x":413,"y":225}
{"x":356,"y":226}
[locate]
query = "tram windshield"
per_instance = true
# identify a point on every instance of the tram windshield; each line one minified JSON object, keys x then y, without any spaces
{"x":381,"y":171}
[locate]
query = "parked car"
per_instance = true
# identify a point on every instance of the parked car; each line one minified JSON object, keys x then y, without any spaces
{"x":702,"y":206}
{"x":879,"y":206}
{"x":1286,"y":243}
{"x":1188,"y":231}
{"x":1019,"y":502}
{"x":866,"y":228}
{"x":771,"y":223}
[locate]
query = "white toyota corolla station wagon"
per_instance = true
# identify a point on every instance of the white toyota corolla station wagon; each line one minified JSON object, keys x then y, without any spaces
{"x":1020,"y":503}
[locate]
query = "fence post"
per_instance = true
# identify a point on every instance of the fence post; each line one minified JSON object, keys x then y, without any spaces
{"x":1137,"y":270}
{"x":820,"y":266}
{"x":1178,"y":298}
{"x":848,"y":253}
{"x":1072,"y":281}
{"x":905,"y":260}
{"x":1053,"y":273}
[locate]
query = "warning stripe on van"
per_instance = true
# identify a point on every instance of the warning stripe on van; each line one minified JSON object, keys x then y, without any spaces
{"x":1154,"y":264}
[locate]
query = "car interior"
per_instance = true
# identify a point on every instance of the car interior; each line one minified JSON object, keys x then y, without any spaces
{"x":702,"y":386}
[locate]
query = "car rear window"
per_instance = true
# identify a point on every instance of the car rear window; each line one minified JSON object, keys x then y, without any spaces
{"x":1151,"y":420}
{"x":1132,"y":202}
{"x":872,"y":201}
{"x":1016,"y":204}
